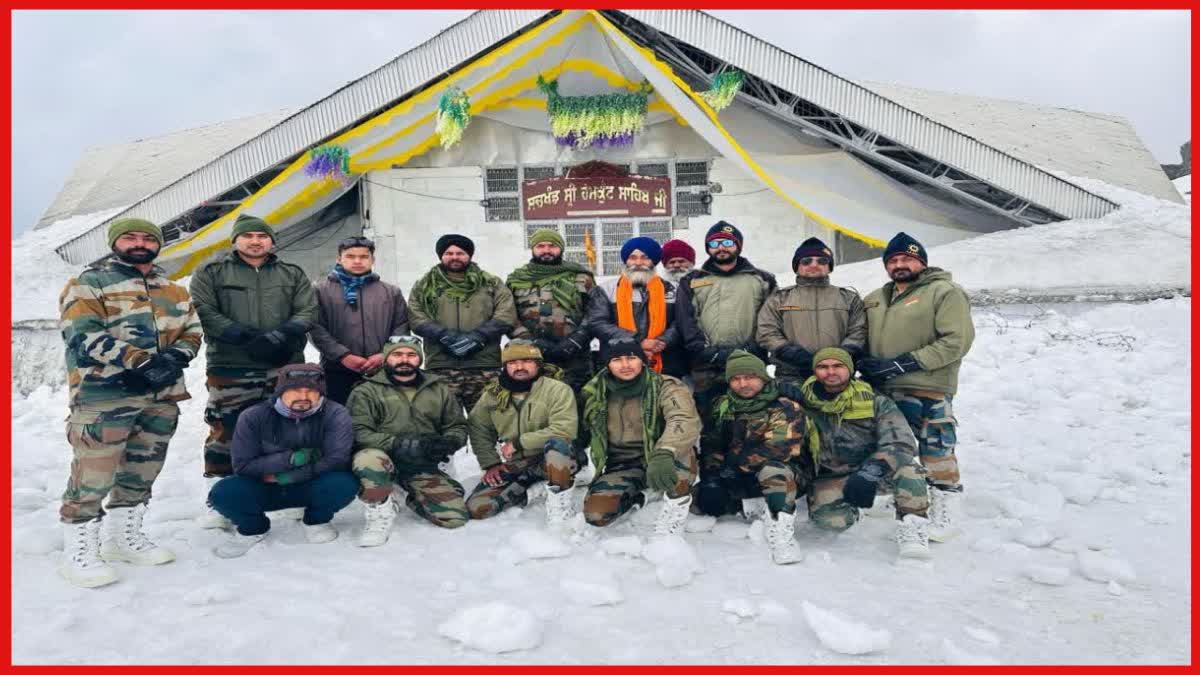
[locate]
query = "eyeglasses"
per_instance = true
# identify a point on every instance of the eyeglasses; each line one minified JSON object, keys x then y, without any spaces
{"x":354,"y":242}
{"x":819,"y":260}
{"x":404,"y":340}
{"x":717,"y":243}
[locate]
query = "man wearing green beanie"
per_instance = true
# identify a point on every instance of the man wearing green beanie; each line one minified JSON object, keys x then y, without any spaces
{"x":859,"y":439}
{"x":551,"y":297}
{"x":754,"y":453}
{"x":129,"y":332}
{"x":256,"y":310}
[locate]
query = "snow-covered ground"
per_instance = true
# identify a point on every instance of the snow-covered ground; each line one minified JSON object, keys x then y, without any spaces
{"x":1074,"y":449}
{"x":1074,"y":446}
{"x":1184,"y":185}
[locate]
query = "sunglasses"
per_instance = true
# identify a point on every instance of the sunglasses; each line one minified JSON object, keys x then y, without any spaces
{"x":404,"y":340}
{"x":353,"y":242}
{"x":717,"y":243}
{"x":819,"y":260}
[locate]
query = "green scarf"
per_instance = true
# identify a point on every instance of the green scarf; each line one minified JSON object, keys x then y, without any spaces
{"x":436,"y":283}
{"x":595,"y":410}
{"x":727,"y":406}
{"x":504,"y":396}
{"x":856,"y":402}
{"x":560,"y":279}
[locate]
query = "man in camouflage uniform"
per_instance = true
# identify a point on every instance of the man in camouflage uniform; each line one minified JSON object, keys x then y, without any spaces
{"x":858,"y":439}
{"x":551,"y":298}
{"x":129,"y":333}
{"x":521,"y":431}
{"x":462,"y":312}
{"x":256,"y":310}
{"x":644,"y":430}
{"x":919,"y":331}
{"x":797,"y":321}
{"x":755,"y":450}
{"x":406,"y":422}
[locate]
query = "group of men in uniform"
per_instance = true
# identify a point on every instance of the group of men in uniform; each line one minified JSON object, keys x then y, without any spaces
{"x":679,"y":402}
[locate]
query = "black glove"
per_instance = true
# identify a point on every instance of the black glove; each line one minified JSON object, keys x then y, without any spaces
{"x":714,"y":355}
{"x":156,"y":373}
{"x":448,"y":337}
{"x":882,"y":370}
{"x":292,"y":329}
{"x":861,"y":485}
{"x":439,"y":447}
{"x":795,"y":355}
{"x":544,"y":345}
{"x":409,"y":450}
{"x":467,"y":343}
{"x":237,"y":334}
{"x":267,"y":346}
{"x":790,"y":390}
{"x":178,"y":356}
{"x":712,"y":497}
{"x":571,"y":346}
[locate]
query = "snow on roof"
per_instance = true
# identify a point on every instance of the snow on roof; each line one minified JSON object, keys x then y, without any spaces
{"x":1184,"y":185}
{"x":1102,"y":147}
{"x":1151,"y":237}
{"x":124,"y":173}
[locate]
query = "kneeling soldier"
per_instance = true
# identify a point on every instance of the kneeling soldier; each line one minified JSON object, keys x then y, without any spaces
{"x":861,"y":439}
{"x":755,"y":449}
{"x":644,"y":429}
{"x":406,"y":422}
{"x":292,"y":451}
{"x":534,"y":416}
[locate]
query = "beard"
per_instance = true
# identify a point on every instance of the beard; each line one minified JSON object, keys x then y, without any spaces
{"x":724,"y":257}
{"x":639,"y":276}
{"x":302,"y":405}
{"x":136,"y":256}
{"x":675,"y":276}
{"x":396,"y":372}
{"x":547,"y":259}
{"x":456,"y":266}
{"x":900,"y":274}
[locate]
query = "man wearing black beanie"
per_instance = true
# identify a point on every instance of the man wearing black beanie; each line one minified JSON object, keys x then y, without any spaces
{"x":462,"y":312}
{"x":796,"y":322}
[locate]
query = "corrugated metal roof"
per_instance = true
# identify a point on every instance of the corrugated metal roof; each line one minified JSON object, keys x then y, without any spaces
{"x":873,"y":111}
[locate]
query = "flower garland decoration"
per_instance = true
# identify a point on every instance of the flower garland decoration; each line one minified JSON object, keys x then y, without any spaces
{"x":328,"y":162}
{"x":453,"y":116}
{"x":598,"y":120}
{"x":723,"y":89}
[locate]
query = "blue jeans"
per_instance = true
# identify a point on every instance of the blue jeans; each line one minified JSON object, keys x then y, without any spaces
{"x":246,"y":500}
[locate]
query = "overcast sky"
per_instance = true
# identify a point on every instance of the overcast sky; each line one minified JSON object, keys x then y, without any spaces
{"x":82,"y":79}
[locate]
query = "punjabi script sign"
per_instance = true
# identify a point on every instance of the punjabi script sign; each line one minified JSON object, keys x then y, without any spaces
{"x":632,"y":196}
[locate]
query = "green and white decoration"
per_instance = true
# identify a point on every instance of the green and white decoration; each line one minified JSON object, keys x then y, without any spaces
{"x":453,"y":116}
{"x":723,"y":89}
{"x":598,"y":120}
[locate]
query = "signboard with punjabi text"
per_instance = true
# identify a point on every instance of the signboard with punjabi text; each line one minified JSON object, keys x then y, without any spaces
{"x":596,"y":196}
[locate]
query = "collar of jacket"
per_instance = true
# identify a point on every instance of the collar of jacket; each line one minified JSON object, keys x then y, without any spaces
{"x":805,"y":281}
{"x":927,"y":276}
{"x":128,"y":268}
{"x":234,"y":257}
{"x":742,"y":266}
{"x":369,"y":277}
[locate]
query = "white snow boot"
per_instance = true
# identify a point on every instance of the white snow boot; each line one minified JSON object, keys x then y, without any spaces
{"x":211,"y":519}
{"x":673,"y":516}
{"x":754,"y":508}
{"x":322,"y":533}
{"x":781,"y":539}
{"x":912,"y":537}
{"x":237,"y":545}
{"x":378,"y":527}
{"x":123,"y":539}
{"x":560,"y":507}
{"x":944,"y":512}
{"x":81,"y":563}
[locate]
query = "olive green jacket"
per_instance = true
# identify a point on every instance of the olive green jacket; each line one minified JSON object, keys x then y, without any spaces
{"x":547,"y":412}
{"x":382,"y":412}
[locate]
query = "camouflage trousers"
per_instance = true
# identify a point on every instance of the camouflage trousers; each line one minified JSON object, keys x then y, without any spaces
{"x":432,"y":494}
{"x":556,"y":466}
{"x":230,"y":391}
{"x":118,"y":451}
{"x":466,"y":383}
{"x":931,"y":417}
{"x":620,"y":487}
{"x":577,"y":374}
{"x":828,"y":511}
{"x":778,"y":483}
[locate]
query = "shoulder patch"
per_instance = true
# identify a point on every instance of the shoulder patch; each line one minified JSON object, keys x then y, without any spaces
{"x":701,"y":283}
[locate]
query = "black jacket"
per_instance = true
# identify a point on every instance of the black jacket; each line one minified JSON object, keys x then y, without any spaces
{"x":264,"y":440}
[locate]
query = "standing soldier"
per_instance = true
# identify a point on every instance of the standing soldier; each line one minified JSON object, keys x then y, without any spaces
{"x":755,"y":450}
{"x":531,"y":417}
{"x":462,"y":312}
{"x":551,"y":298}
{"x":357,"y":315}
{"x":797,"y":321}
{"x":644,"y":431}
{"x":256,"y":311}
{"x":919,"y":330}
{"x":640,"y":305}
{"x":406,"y":422}
{"x":718,"y":311}
{"x":859,"y":440}
{"x":129,"y":333}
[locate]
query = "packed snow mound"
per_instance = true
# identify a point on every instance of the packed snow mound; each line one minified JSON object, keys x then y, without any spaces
{"x":843,"y":635}
{"x":495,"y":627}
{"x":38,"y":273}
{"x":1147,"y":242}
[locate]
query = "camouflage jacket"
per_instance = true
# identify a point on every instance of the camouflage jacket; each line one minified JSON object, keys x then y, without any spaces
{"x":846,"y":444}
{"x":113,"y":319}
{"x":540,"y":316}
{"x":746,"y":441}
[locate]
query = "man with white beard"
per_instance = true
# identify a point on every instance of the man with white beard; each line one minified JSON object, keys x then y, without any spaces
{"x":678,"y":259}
{"x":639,"y":305}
